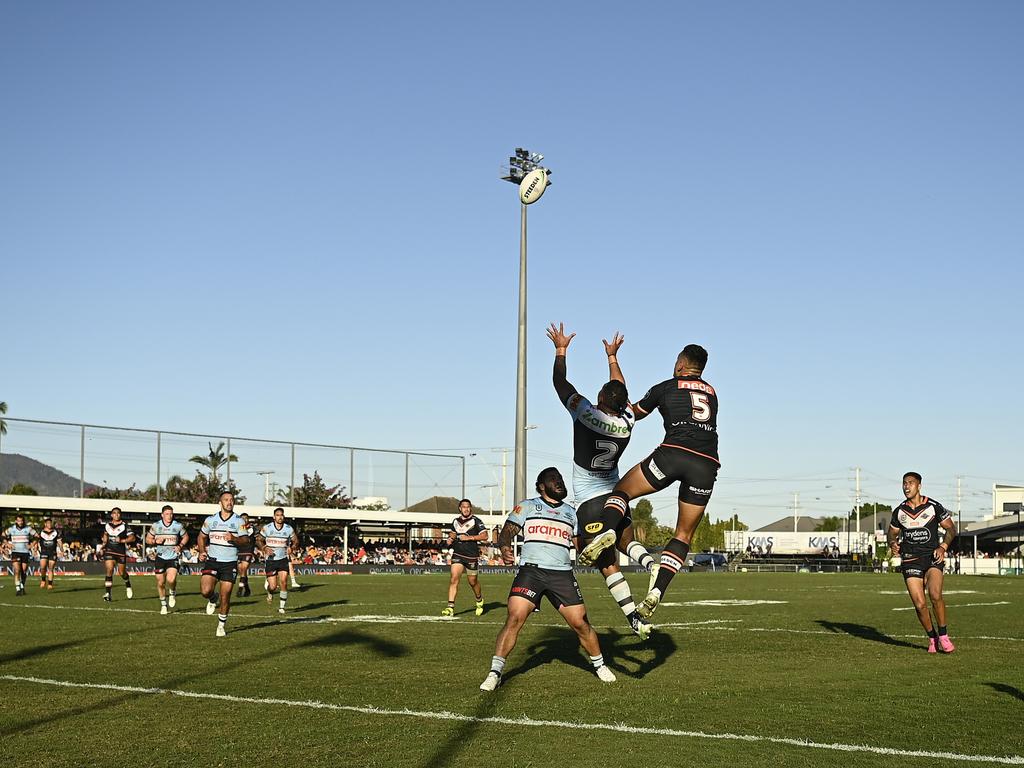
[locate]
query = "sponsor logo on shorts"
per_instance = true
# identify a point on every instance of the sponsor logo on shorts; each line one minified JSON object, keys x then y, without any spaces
{"x":655,"y":470}
{"x":593,"y":527}
{"x":525,"y":591}
{"x":700,"y":491}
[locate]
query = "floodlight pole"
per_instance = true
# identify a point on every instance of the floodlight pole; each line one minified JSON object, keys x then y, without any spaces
{"x":519,"y":474}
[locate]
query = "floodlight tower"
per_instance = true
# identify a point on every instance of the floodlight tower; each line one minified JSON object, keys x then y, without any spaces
{"x":520,"y":170}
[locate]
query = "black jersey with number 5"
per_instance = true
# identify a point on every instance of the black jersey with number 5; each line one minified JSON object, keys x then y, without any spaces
{"x":689,"y":408}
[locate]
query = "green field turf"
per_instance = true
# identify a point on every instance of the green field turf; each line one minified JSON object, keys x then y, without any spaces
{"x":827,"y":661}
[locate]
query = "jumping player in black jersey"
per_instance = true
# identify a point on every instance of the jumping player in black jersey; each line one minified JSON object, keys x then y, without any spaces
{"x":49,"y":547}
{"x":246,"y":555}
{"x":914,"y":536}
{"x":600,"y":435}
{"x":464,"y":539}
{"x":688,"y":454}
{"x":116,"y":538}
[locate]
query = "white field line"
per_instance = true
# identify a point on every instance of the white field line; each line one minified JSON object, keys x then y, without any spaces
{"x":712,"y":625}
{"x":961,"y":605}
{"x":528,"y":722}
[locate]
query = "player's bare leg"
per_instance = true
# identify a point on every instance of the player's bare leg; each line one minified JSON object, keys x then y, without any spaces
{"x":519,"y":610}
{"x":226,"y":587}
{"x":915,"y":588}
{"x":208,"y":589}
{"x":122,"y":571}
{"x":576,"y":617}
{"x":171,"y":583}
{"x":453,"y":587}
{"x":108,"y":579}
{"x":161,"y":591}
{"x":933,"y":579}
{"x":474,"y":584}
{"x":673,"y":557}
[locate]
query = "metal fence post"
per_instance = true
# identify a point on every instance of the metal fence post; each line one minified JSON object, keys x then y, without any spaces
{"x":229,"y":461}
{"x":291,"y":491}
{"x":407,"y":482}
{"x":81,"y":467}
{"x":159,"y":496}
{"x":464,"y":478}
{"x":352,"y":473}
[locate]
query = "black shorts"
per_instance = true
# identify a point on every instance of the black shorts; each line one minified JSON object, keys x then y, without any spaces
{"x":696,"y":474}
{"x":916,"y":566}
{"x":589,"y":513}
{"x":47,"y":555}
{"x":162,"y":566}
{"x":21,"y":557}
{"x":224,"y":571}
{"x":534,"y":582}
{"x":246,"y":557}
{"x":117,"y":557}
{"x":470,"y":563}
{"x":274,"y":567}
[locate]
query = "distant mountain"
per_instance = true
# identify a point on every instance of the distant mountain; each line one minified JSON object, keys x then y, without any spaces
{"x":15,"y":468}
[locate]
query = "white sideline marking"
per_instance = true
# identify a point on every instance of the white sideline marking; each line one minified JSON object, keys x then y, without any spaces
{"x":531,"y":723}
{"x":961,"y":605}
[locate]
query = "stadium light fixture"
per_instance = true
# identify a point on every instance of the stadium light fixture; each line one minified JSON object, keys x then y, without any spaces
{"x":519,"y":167}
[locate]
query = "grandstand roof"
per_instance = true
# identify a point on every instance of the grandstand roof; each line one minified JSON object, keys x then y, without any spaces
{"x":805,"y":524}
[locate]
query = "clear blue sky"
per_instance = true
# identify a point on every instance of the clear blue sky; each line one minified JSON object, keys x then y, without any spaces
{"x":285,"y":221}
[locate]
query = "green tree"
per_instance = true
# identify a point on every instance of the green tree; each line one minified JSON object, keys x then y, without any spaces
{"x":131,"y":493}
{"x":201,"y":489}
{"x":3,"y":424}
{"x":644,"y":524}
{"x":20,"y":489}
{"x":215,"y":459}
{"x":314,"y":493}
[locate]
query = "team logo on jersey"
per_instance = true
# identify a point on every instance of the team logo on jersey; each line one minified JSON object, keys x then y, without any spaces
{"x":920,"y":521}
{"x":593,"y":527}
{"x":516,"y":509}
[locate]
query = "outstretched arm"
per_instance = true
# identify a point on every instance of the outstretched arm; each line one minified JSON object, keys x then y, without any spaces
{"x":611,"y":349}
{"x":561,"y":341}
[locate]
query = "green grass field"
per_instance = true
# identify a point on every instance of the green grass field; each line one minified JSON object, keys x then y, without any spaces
{"x":822,"y":659}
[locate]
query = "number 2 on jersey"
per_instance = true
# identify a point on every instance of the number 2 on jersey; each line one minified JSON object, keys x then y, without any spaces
{"x":701,"y":407}
{"x":605,"y":460}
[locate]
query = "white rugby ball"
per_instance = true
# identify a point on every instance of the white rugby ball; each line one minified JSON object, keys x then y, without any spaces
{"x":532,"y":187}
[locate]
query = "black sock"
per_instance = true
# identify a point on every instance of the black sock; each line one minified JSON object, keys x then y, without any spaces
{"x":673,"y":557}
{"x":942,"y":630}
{"x":932,"y":635}
{"x":128,"y":581}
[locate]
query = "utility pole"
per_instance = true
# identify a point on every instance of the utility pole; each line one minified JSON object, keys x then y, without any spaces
{"x":796,"y":509}
{"x":856,"y":504}
{"x":266,"y":484}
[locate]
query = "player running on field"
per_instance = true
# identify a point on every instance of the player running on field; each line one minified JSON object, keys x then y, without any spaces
{"x":20,"y":535}
{"x":49,"y":549}
{"x":219,"y":539}
{"x":246,"y":555}
{"x":464,"y":539}
{"x":277,"y":540}
{"x":545,"y":568}
{"x":116,"y":538}
{"x":688,"y":454}
{"x":914,"y":536}
{"x":600,"y":435}
{"x":170,"y":538}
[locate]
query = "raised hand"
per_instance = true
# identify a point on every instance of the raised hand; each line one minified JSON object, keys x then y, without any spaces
{"x":612,"y":347}
{"x":558,"y":337}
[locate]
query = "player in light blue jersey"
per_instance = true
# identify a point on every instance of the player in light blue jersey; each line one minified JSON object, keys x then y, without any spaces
{"x":545,"y":568}
{"x":277,"y":540}
{"x":219,"y":539}
{"x":170,"y":538}
{"x":600,"y":435}
{"x":20,"y":535}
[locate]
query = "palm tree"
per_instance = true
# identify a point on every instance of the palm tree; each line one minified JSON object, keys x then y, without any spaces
{"x":3,"y":424}
{"x":215,"y":459}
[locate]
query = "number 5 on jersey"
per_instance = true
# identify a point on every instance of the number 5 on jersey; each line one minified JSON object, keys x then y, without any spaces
{"x":700,"y":406}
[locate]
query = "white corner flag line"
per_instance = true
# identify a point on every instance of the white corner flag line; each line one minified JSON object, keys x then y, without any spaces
{"x":529,"y":722}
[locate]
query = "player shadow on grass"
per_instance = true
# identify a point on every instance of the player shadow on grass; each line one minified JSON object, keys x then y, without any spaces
{"x":277,"y":623}
{"x":464,"y":735}
{"x":619,"y":647}
{"x":865,"y":632}
{"x":377,"y":644}
{"x":316,"y":606}
{"x":1009,"y":690}
{"x":39,"y":650}
{"x":488,"y":607}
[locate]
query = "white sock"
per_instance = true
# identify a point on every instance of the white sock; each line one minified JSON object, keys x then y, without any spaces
{"x":497,"y":664}
{"x":597,"y":661}
{"x":284,"y":597}
{"x":638,"y":553}
{"x":619,"y":588}
{"x":222,"y":618}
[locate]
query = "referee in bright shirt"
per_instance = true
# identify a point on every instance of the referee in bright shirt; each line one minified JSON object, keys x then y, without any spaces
{"x":219,"y":539}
